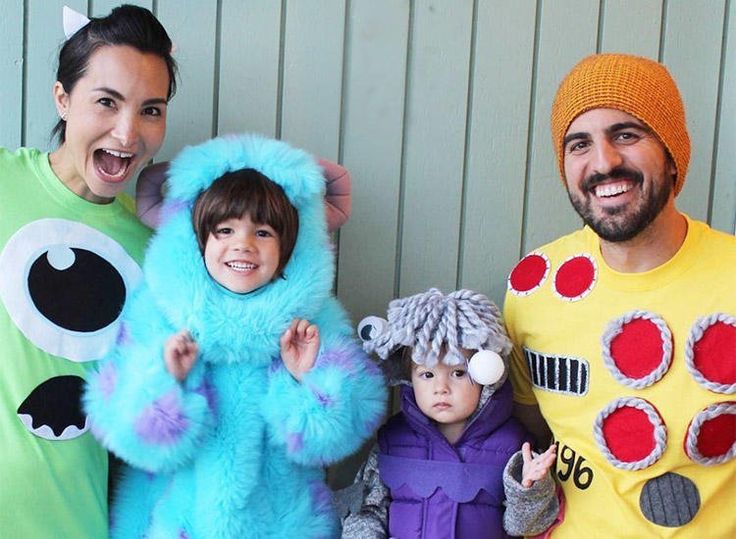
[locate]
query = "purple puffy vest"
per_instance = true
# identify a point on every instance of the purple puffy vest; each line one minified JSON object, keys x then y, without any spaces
{"x":444,"y":491}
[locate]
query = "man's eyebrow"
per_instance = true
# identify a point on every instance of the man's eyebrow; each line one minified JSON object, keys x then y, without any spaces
{"x":628,"y":125}
{"x":574,"y":136}
{"x":614,"y":128}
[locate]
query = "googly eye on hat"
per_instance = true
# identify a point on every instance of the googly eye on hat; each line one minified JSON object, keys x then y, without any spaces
{"x":371,"y":327}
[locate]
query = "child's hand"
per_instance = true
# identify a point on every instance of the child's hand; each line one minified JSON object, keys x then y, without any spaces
{"x":299,"y":347}
{"x":180,"y":354}
{"x":536,"y":467}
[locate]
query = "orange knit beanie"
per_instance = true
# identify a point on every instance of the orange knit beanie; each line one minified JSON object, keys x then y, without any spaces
{"x":635,"y":85}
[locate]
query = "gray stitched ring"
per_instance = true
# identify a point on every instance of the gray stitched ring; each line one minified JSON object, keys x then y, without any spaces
{"x":699,"y":328}
{"x":615,"y":328}
{"x":693,"y":432}
{"x":660,"y":433}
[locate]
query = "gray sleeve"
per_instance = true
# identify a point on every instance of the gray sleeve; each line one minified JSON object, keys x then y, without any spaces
{"x":529,"y":511}
{"x":371,"y":520}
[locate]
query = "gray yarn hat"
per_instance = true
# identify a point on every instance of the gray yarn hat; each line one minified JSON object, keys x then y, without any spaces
{"x":432,"y":322}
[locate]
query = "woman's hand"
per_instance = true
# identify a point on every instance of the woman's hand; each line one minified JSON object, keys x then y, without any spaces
{"x":535,"y":467}
{"x":299,"y":347}
{"x":180,"y":354}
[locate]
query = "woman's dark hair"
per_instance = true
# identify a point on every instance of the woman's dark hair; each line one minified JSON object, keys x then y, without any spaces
{"x":125,"y":25}
{"x":247,"y":192}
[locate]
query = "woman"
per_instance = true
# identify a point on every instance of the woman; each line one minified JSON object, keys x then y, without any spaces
{"x":69,"y":254}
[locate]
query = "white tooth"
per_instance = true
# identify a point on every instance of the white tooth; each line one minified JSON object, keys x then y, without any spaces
{"x":238,"y":266}
{"x":117,"y":153}
{"x":611,"y":190}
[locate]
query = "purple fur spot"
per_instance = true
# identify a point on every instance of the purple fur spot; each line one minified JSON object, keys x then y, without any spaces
{"x":183,"y":535}
{"x":371,"y":368}
{"x":123,"y":336}
{"x":321,"y":497}
{"x":342,"y":358}
{"x":207,"y":391}
{"x":107,"y":380}
{"x":275,"y":366}
{"x":294,"y":442}
{"x":323,"y":399}
{"x":162,"y":422}
{"x":171,"y":208}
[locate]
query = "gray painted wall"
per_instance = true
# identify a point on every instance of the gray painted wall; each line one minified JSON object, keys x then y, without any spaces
{"x":438,"y":108}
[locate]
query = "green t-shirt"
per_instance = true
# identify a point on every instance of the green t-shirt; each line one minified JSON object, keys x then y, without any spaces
{"x":66,"y":266}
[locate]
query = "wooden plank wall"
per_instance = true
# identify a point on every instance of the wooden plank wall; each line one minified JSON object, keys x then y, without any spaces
{"x":439,"y":108}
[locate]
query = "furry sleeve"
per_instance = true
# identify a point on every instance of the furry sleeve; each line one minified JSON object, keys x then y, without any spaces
{"x":338,"y":405}
{"x":136,"y":408}
{"x":529,"y":511}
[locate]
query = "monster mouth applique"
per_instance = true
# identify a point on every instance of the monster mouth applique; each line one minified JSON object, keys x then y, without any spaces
{"x":53,"y":409}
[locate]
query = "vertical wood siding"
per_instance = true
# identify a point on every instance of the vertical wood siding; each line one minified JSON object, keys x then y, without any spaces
{"x":439,"y":108}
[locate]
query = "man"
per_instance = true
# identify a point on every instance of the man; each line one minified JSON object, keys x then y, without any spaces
{"x":625,"y":331}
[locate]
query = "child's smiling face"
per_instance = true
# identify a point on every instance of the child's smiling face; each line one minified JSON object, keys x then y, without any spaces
{"x":242,"y":255}
{"x":446,"y":395}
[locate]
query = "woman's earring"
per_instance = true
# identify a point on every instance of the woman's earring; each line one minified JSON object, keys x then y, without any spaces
{"x":62,"y":115}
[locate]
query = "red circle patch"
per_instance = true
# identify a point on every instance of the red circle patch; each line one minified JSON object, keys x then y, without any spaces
{"x":714,"y":354}
{"x":717,"y":435}
{"x":529,"y":274}
{"x":575,"y":278}
{"x":711,"y":435}
{"x":629,"y":434}
{"x":637,"y":349}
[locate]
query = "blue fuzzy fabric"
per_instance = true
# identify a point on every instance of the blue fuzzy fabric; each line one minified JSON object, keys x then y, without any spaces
{"x":238,"y":448}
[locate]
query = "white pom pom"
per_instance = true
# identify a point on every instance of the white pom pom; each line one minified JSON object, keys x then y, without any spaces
{"x":486,"y":367}
{"x":371,"y":327}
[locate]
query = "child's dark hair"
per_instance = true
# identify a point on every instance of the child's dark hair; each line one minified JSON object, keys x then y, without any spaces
{"x":406,"y":363}
{"x":125,"y":25}
{"x":247,"y":192}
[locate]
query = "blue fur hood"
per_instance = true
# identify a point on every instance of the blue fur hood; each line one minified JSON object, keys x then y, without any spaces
{"x":174,"y":269}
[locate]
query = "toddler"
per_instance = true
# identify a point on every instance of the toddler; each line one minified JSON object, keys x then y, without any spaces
{"x":448,"y":465}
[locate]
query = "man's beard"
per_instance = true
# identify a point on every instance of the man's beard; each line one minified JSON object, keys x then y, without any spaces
{"x":617,"y":230}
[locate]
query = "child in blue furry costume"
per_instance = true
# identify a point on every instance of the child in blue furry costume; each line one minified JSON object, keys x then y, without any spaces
{"x":237,"y":446}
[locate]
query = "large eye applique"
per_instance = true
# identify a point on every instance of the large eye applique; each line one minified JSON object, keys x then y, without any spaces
{"x":64,"y":285}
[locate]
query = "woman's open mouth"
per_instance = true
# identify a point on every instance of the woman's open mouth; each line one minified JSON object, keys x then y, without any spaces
{"x":112,"y":165}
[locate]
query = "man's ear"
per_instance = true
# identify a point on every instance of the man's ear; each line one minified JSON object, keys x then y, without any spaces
{"x":61,"y":98}
{"x":672,"y":169}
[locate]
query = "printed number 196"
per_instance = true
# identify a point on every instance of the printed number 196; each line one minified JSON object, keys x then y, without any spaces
{"x":574,"y":465}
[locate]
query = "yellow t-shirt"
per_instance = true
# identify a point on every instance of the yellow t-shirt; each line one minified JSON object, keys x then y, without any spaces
{"x":635,"y":375}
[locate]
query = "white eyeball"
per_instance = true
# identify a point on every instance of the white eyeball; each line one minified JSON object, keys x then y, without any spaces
{"x":486,"y":367}
{"x":371,"y":327}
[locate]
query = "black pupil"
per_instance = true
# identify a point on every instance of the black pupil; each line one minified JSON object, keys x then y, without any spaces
{"x":86,"y":296}
{"x":365,"y":332}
